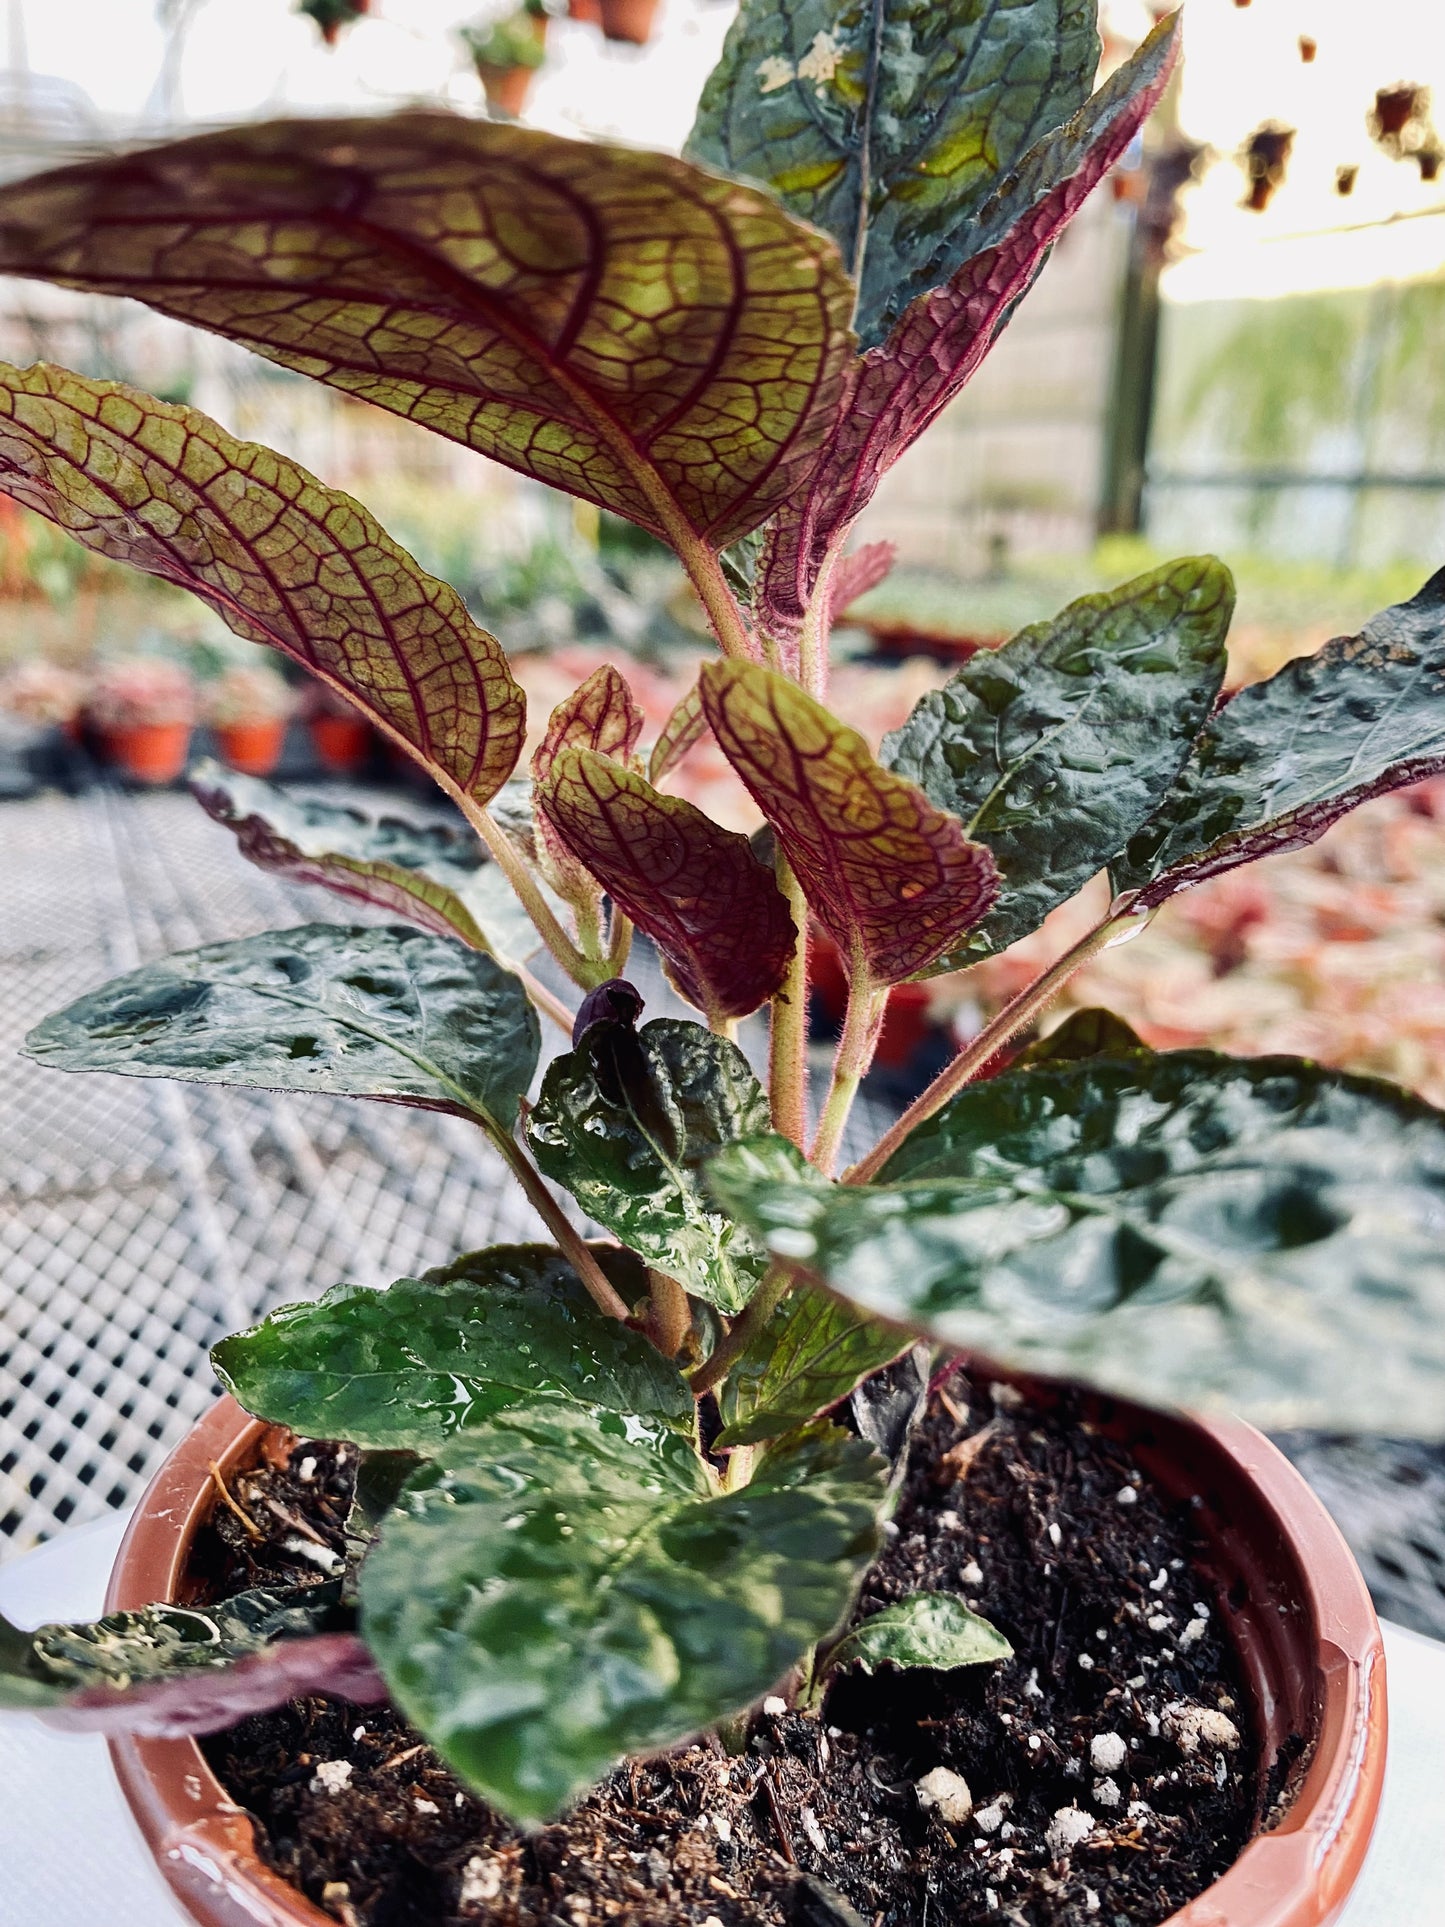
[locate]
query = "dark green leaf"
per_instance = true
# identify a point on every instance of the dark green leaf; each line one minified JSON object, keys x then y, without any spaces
{"x":811,"y":1356}
{"x":570,"y":1589}
{"x":408,"y":1367}
{"x":1183,"y":1228}
{"x":438,"y":877}
{"x":926,"y":1629}
{"x":628,"y":1119}
{"x":889,"y":122}
{"x":1285,"y":758}
{"x":716,"y":913}
{"x":615,"y":323}
{"x":281,"y":558}
{"x":1054,"y":749}
{"x":893,"y":880}
{"x":384,"y":1012}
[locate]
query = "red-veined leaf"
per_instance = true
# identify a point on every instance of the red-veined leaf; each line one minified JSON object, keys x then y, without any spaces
{"x":279,"y":556}
{"x":715,"y":913}
{"x":859,"y":572}
{"x":684,"y":727}
{"x":619,"y":324}
{"x":600,"y":715}
{"x":895,"y":391}
{"x":893,"y":880}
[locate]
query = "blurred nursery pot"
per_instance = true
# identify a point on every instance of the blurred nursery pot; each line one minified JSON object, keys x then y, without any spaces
{"x":340,"y":735}
{"x":248,"y":709}
{"x":506,"y":55}
{"x":144,"y":710}
{"x":1288,"y":1590}
{"x":629,"y":20}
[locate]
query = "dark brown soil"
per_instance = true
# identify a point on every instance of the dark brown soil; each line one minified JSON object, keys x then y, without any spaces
{"x":1114,"y":1640}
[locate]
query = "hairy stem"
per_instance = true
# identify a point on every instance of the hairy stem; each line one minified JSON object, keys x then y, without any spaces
{"x":569,"y":1240}
{"x":776,"y":1284}
{"x":867,"y":1002}
{"x":1014,"y":1017}
{"x":788,"y":1037}
{"x":669,"y":1315}
{"x":723,"y":608}
{"x":817,"y":627}
{"x":619,"y":946}
{"x":580,"y":969}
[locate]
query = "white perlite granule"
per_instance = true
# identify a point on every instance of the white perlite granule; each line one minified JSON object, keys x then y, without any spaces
{"x":1107,"y":1752}
{"x":1068,"y":1827}
{"x":1106,"y":1793}
{"x":990,"y":1818}
{"x":331,"y":1776}
{"x":1191,"y":1727}
{"x":774,"y":1707}
{"x":947,"y":1793}
{"x":481,"y":1880}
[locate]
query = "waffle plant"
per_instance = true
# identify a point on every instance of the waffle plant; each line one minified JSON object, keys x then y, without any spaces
{"x":612,"y":1492}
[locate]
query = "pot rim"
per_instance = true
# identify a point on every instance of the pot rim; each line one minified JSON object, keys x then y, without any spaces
{"x":1298,"y":1874}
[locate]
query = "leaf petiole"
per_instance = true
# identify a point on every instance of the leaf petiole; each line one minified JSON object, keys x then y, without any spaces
{"x":582,"y":970}
{"x":776,"y":1285}
{"x":1014,"y":1017}
{"x":867,"y":1002}
{"x":569,"y":1240}
{"x":788,"y":1034}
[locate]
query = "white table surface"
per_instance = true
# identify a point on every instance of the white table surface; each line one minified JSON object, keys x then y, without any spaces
{"x":70,"y":1855}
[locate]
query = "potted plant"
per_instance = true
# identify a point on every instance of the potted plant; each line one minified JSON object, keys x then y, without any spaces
{"x":340,"y":732}
{"x":506,"y":54}
{"x":629,"y":20}
{"x":143,"y":709}
{"x":248,"y":707}
{"x":45,"y":694}
{"x":651,"y":1533}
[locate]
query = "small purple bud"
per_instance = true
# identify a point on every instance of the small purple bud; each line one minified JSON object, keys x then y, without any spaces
{"x":615,"y":1002}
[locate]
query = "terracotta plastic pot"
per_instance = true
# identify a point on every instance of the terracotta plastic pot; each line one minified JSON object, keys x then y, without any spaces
{"x":1284,"y":1581}
{"x":252,"y":748}
{"x":629,"y":20}
{"x":342,"y":742}
{"x":506,"y":88}
{"x":149,"y":752}
{"x":589,"y":11}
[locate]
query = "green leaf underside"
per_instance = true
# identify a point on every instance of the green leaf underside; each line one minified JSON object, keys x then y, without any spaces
{"x":897,"y":389}
{"x":281,"y":558}
{"x":812,"y":1355}
{"x":410,"y":1367}
{"x":128,"y":1649}
{"x":566,"y":1589}
{"x":893,"y":880}
{"x":1054,"y":749}
{"x":889,"y":122}
{"x":1181,"y":1228}
{"x":715,"y":913}
{"x":627,"y":1121}
{"x":616,"y":323}
{"x":1286,"y":758}
{"x":932,"y":1629}
{"x":684,"y":727}
{"x":1083,"y":1034}
{"x":438,"y":877}
{"x":386,"y":1012}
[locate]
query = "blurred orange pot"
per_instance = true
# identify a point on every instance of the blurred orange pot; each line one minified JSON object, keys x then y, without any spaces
{"x":252,"y":748}
{"x":629,"y":20}
{"x":149,"y":752}
{"x":342,"y":742}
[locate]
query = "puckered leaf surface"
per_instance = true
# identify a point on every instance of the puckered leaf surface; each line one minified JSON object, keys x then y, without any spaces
{"x":385,"y":1012}
{"x":407,"y":1368}
{"x":438,"y":877}
{"x":888,"y":122}
{"x":566,"y":1589}
{"x":1286,"y":758}
{"x":894,"y":881}
{"x":627,"y":1121}
{"x":169,"y":1670}
{"x":931,"y":1629}
{"x":811,"y":1356}
{"x":616,"y":323}
{"x":1083,"y":1033}
{"x":280,"y":557}
{"x":1182,"y":1228}
{"x":1055,"y":749}
{"x":896,"y":389}
{"x":713,"y":910}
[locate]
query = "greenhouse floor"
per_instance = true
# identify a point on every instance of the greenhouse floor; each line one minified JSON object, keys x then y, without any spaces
{"x":140,"y":1220}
